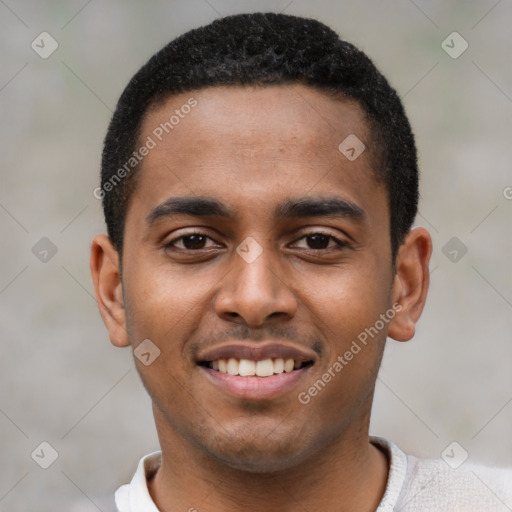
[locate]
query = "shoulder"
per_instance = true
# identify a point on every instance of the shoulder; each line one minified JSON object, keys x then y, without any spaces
{"x":435,"y":484}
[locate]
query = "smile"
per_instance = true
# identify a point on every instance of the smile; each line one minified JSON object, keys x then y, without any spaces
{"x":256,"y":371}
{"x":251,"y":368}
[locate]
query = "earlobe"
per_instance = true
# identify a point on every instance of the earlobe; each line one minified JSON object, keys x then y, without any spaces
{"x":108,"y":289}
{"x":411,"y":283}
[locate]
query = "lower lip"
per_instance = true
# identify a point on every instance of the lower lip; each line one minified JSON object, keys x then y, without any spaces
{"x":255,"y":388}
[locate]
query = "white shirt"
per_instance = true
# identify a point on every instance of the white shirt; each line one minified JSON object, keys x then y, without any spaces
{"x":414,"y":485}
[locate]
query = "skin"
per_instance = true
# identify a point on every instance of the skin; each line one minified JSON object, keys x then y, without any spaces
{"x":253,"y":149}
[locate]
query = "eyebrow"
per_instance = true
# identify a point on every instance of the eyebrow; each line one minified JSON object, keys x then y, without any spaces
{"x":319,"y":207}
{"x":291,"y":208}
{"x":196,"y":206}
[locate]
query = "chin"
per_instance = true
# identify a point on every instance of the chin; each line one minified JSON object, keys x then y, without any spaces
{"x":255,"y":461}
{"x":258,"y":452}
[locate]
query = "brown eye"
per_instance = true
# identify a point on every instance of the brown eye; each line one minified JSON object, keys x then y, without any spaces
{"x":194,"y":241}
{"x":318,"y":241}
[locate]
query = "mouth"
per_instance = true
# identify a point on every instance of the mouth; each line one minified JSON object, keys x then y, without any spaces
{"x":251,"y":368}
{"x":256,"y":371}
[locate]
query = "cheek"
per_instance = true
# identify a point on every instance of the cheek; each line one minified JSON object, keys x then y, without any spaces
{"x":345,"y":307}
{"x":162,"y":301}
{"x":165,"y":308}
{"x":347,"y":299}
{"x":343,"y":311}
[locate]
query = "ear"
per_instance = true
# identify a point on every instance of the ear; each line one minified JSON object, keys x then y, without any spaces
{"x":108,"y":289}
{"x":410,"y":285}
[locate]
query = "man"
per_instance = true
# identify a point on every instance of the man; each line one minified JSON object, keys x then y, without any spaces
{"x":259,"y":183}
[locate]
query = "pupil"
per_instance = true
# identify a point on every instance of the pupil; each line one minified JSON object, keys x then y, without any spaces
{"x":193,"y":241}
{"x":318,"y":241}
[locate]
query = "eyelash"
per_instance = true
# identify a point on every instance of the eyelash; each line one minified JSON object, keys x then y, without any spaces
{"x":340,"y":243}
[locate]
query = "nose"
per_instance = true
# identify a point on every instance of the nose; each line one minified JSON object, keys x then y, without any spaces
{"x":253,"y":292}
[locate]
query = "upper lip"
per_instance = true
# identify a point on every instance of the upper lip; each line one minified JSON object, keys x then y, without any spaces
{"x":257,"y":351}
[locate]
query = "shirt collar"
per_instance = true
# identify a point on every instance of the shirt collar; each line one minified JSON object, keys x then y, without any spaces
{"x":396,"y":476}
{"x":135,"y":497}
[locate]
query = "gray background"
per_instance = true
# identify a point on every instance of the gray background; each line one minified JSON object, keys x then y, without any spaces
{"x":61,"y":380}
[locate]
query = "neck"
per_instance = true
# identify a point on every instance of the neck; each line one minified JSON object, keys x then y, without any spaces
{"x":349,"y":474}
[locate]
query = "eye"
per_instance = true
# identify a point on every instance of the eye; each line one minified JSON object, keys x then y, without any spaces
{"x":320,"y":241}
{"x":190,"y":242}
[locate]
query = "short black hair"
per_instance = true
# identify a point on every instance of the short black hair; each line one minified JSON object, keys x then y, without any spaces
{"x":256,"y":50}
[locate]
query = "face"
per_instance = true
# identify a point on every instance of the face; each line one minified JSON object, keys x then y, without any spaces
{"x":256,"y":257}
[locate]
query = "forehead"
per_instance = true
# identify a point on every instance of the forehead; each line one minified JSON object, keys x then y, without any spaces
{"x":247,"y":115}
{"x":253,"y":144}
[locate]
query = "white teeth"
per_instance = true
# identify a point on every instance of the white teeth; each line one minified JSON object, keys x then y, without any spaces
{"x":289,"y":365}
{"x":233,"y":366}
{"x":265,"y":368}
{"x":248,"y":368}
{"x":278,"y":365}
